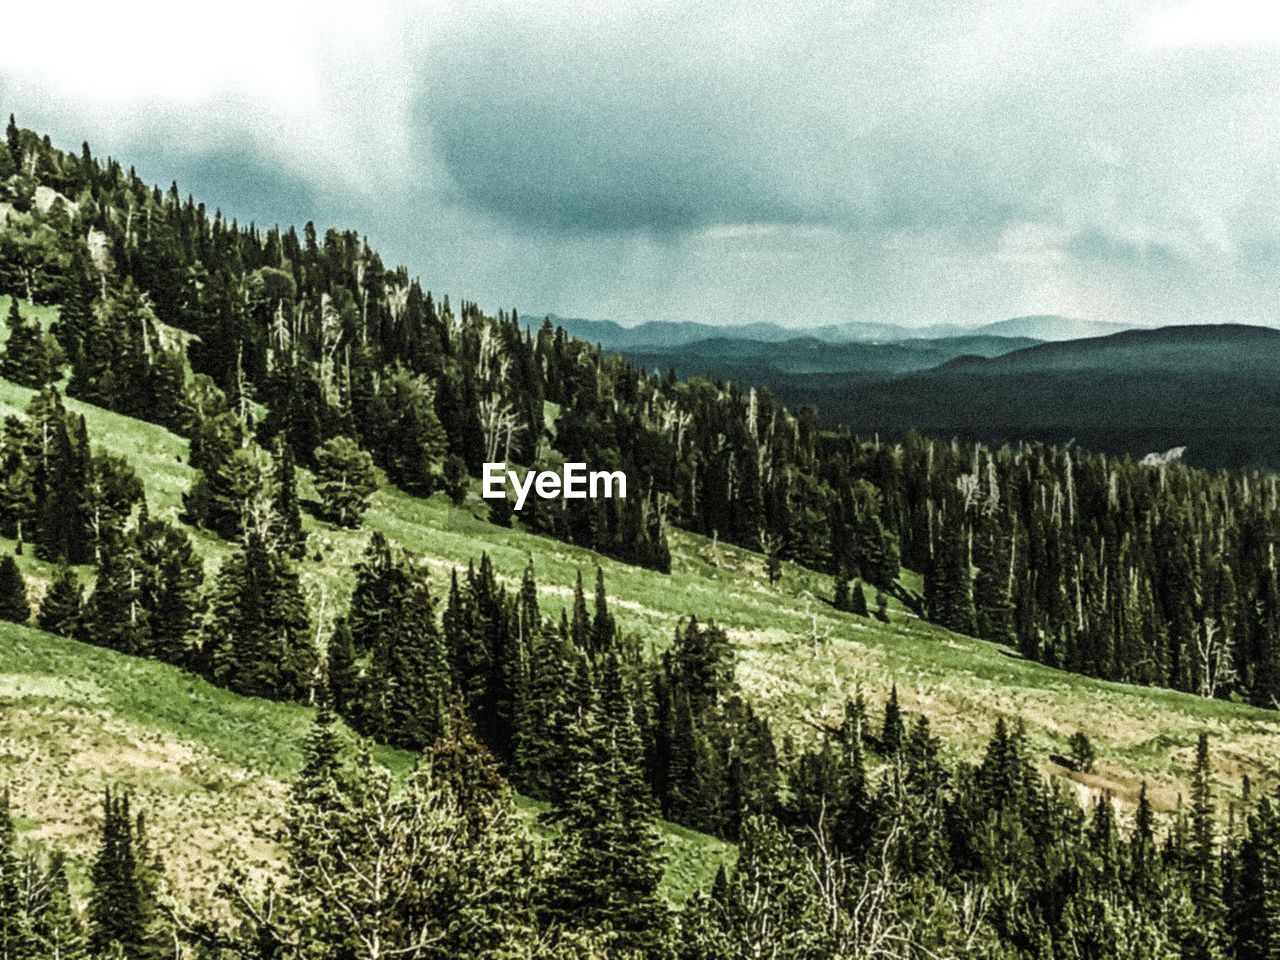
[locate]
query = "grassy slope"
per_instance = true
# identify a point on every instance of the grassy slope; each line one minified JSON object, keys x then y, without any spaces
{"x":221,"y":773}
{"x":210,"y":768}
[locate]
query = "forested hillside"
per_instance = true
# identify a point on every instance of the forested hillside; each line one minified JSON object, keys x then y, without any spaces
{"x":305,"y":377}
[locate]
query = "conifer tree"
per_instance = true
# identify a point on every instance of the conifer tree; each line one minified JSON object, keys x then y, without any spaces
{"x":114,"y":616}
{"x":1202,"y":864}
{"x":13,"y":592}
{"x":602,"y":625}
{"x":15,"y":928}
{"x":840,"y":589}
{"x":56,"y":930}
{"x":257,"y":639}
{"x":119,"y":907}
{"x":381,"y":578}
{"x":346,"y":478}
{"x":317,"y":783}
{"x":892,"y":730}
{"x":948,"y":584}
{"x":60,"y":609}
{"x":1255,"y":912}
{"x":992,"y":605}
{"x":609,"y":866}
{"x":25,"y":360}
{"x":343,"y":674}
{"x":408,"y":681}
{"x":858,"y":599}
{"x":580,"y":620}
{"x":289,"y":533}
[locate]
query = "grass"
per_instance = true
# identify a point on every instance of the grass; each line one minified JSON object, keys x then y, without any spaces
{"x":799,"y":682}
{"x":210,"y":768}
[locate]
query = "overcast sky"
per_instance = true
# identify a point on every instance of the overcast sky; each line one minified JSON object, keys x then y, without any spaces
{"x":796,"y":161}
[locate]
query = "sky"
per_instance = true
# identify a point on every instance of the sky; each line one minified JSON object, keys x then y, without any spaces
{"x":725,"y":161}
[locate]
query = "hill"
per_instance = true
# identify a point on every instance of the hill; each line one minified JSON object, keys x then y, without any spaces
{"x":212,"y":765}
{"x":1050,"y":327}
{"x":737,"y":692}
{"x":764,"y":363}
{"x":1212,"y":389}
{"x":211,"y":769}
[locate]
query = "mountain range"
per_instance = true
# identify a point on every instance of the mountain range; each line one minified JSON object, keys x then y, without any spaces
{"x":663,"y":334}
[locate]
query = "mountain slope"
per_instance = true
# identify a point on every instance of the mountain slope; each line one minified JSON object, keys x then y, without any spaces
{"x":210,"y":768}
{"x":204,"y":757}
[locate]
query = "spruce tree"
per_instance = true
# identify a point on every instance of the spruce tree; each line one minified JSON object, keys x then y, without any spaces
{"x":408,"y":680}
{"x":15,"y":927}
{"x":948,"y":584}
{"x":289,"y":533}
{"x":992,"y":605}
{"x":118,"y":907}
{"x":346,"y":479}
{"x":892,"y":729}
{"x":60,"y":609}
{"x":1203,"y":863}
{"x":610,"y":865}
{"x":602,"y":625}
{"x":257,"y":639}
{"x":25,"y":360}
{"x":13,"y":592}
{"x":580,"y":620}
{"x":56,"y":930}
{"x":840,"y":590}
{"x":858,"y":599}
{"x":344,"y":674}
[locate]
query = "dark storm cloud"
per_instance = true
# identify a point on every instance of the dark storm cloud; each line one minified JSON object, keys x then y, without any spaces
{"x":855,"y":159}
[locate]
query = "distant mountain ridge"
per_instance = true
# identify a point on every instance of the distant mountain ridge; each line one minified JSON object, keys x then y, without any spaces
{"x":665,"y":334}
{"x":756,"y":361}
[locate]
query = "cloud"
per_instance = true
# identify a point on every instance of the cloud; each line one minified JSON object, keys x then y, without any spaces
{"x":641,"y":159}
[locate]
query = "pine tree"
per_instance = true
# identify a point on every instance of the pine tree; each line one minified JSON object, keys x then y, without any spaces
{"x":160,"y":577}
{"x":948,"y":585}
{"x":25,"y":360}
{"x":114,"y":616}
{"x":257,"y":639}
{"x":380,"y":579}
{"x":602,"y":625}
{"x":344,"y":674}
{"x":893,"y":729}
{"x":118,"y":907}
{"x":1203,"y":865}
{"x":60,"y":609}
{"x":346,"y":479}
{"x":840,"y":588}
{"x":288,"y":515}
{"x":858,"y":599}
{"x":56,"y":930}
{"x":13,"y":592}
{"x":580,"y":620}
{"x":15,"y":929}
{"x":408,"y":679}
{"x":610,"y":865}
{"x":1255,"y":912}
{"x":318,"y":780}
{"x":992,"y":605}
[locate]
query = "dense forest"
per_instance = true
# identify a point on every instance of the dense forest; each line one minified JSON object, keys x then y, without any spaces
{"x":272,"y":351}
